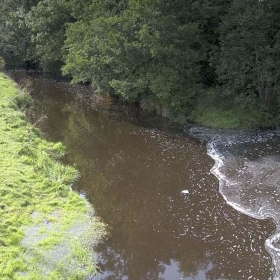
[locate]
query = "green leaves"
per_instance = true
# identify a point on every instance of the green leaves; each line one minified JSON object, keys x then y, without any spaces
{"x":162,"y":51}
{"x":14,"y":36}
{"x":47,"y":23}
{"x":137,"y":50}
{"x":248,"y":61}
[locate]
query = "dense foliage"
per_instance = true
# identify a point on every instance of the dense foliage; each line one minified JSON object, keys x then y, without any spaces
{"x":166,"y":55}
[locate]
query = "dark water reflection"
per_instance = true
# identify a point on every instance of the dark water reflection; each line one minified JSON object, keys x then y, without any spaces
{"x":133,"y":172}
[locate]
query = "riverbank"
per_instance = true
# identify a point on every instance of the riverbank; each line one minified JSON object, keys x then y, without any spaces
{"x":46,"y":229}
{"x":210,"y":110}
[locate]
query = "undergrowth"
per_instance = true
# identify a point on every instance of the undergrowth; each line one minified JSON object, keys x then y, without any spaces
{"x":215,"y":110}
{"x":2,"y":62}
{"x":46,"y":229}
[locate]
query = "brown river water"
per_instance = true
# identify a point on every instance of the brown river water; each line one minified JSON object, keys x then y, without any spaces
{"x":178,"y":205}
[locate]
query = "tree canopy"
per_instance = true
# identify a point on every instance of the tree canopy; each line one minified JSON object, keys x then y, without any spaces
{"x":164,"y":55}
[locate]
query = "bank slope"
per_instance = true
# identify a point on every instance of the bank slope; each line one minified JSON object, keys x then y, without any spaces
{"x":46,"y":230}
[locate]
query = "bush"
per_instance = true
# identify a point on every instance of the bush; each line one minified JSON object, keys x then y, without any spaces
{"x":23,"y":100}
{"x":2,"y":63}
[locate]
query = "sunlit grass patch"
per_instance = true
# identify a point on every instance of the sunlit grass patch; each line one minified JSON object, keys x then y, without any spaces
{"x":46,"y":229}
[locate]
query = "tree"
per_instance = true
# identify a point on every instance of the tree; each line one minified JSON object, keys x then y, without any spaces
{"x":137,"y":50}
{"x":249,"y":59}
{"x":208,"y":15}
{"x":14,"y":36}
{"x":47,"y":24}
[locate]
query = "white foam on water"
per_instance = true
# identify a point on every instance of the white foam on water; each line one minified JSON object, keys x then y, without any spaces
{"x":231,"y":187}
{"x":223,"y":180}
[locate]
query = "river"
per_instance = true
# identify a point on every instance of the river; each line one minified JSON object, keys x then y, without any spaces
{"x":198,"y":204}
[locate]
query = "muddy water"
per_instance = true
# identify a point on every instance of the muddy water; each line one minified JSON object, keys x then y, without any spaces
{"x":247,"y":165}
{"x":166,"y":212}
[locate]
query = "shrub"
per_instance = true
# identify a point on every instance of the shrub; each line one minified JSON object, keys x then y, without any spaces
{"x":2,"y":63}
{"x":23,"y":100}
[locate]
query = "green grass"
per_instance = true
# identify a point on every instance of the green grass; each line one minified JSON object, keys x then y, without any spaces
{"x":217,"y":111}
{"x":46,"y":230}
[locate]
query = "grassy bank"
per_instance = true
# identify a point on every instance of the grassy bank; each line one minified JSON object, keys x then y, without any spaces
{"x":46,"y":230}
{"x":215,"y":110}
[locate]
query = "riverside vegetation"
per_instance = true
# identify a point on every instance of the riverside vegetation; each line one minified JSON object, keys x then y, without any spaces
{"x":213,"y":62}
{"x":46,"y":229}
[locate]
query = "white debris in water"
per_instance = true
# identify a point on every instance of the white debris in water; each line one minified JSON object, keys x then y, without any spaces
{"x":185,"y":192}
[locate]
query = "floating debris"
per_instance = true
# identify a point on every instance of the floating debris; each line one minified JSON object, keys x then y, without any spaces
{"x":185,"y":192}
